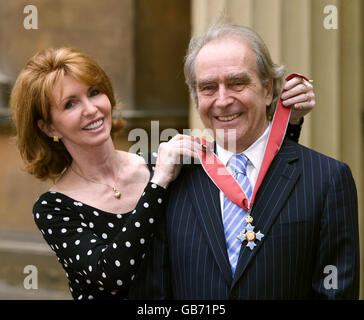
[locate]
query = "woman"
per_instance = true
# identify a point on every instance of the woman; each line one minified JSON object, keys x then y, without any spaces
{"x":99,"y":215}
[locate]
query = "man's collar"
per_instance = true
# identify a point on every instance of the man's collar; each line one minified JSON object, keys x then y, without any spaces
{"x":255,"y":152}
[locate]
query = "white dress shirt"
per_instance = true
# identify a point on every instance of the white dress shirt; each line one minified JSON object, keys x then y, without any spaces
{"x":254,"y":153}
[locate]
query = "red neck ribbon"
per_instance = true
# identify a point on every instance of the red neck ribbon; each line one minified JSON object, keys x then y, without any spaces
{"x":218,"y":173}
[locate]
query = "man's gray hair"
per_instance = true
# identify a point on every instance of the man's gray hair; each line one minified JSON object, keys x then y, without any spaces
{"x":267,"y":69}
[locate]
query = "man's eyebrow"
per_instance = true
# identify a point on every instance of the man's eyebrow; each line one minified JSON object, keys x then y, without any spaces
{"x":244,"y":76}
{"x":240,"y":75}
{"x":205,"y":81}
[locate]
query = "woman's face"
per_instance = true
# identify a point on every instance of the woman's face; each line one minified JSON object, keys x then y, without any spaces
{"x":81,"y":116}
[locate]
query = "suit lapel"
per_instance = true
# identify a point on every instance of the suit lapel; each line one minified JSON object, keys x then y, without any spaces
{"x":273,"y":193}
{"x":206,"y":201}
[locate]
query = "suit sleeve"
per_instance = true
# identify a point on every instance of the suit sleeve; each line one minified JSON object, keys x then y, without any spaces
{"x":336,"y":273}
{"x":153,"y":279}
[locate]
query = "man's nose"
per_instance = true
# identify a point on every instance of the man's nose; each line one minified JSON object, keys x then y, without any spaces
{"x":224,"y":98}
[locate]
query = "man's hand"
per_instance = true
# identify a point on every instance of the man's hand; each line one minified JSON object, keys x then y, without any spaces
{"x":298,"y":93}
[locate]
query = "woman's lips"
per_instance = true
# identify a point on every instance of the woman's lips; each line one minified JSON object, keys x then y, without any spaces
{"x":94,"y":125}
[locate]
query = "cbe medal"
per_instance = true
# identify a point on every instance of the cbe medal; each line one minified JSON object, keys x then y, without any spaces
{"x":248,"y":233}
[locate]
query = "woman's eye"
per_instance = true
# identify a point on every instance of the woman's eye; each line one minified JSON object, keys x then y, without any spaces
{"x":68,"y":105}
{"x":94,"y":92}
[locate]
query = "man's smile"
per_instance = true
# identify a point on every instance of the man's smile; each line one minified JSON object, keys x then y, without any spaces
{"x":229,"y":118}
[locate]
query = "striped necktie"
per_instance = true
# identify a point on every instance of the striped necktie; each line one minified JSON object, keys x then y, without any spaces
{"x":233,"y":215}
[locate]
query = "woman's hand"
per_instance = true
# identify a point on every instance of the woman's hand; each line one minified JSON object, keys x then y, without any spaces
{"x":170,"y":158}
{"x":299,"y":93}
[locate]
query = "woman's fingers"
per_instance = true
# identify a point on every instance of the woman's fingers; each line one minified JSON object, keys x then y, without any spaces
{"x":295,"y":87}
{"x":170,"y":157}
{"x":307,"y":98}
{"x":300,"y":95}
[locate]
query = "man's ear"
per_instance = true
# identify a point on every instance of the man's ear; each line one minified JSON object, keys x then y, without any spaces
{"x":269,"y":92}
{"x":46,"y":128}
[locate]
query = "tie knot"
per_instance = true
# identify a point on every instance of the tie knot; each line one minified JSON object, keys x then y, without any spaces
{"x":238,"y":163}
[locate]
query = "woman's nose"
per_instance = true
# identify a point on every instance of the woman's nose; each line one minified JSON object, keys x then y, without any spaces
{"x":89,"y":108}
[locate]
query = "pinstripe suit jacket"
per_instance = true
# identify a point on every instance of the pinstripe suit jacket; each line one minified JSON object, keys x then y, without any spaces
{"x":307,"y":209}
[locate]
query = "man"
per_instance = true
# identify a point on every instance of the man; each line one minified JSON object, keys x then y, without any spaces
{"x":305,"y":244}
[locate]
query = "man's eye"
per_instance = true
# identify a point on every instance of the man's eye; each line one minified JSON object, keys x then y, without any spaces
{"x":207,"y":88}
{"x":237,"y":84}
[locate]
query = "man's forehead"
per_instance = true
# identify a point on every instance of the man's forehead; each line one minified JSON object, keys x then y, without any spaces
{"x":229,"y":57}
{"x":224,"y":47}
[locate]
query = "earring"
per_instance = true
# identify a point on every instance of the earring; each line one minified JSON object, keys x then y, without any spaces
{"x":55,"y":139}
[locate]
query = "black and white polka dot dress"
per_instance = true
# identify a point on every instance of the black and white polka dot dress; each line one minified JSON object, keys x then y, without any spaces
{"x":100,"y":251}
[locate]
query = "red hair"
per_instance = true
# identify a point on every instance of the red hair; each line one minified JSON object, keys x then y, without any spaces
{"x":31,"y":100}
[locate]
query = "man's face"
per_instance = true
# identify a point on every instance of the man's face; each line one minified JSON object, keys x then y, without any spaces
{"x":230,"y":94}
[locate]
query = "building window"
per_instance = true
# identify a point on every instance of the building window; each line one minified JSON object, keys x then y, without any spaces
{"x":5,"y":89}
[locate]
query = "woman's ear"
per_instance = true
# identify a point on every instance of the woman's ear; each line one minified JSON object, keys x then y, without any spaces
{"x":47,"y":129}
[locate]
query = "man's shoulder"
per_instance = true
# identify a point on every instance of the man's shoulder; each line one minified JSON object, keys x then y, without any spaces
{"x":190,"y":170}
{"x":309,"y":155}
{"x":188,"y":174}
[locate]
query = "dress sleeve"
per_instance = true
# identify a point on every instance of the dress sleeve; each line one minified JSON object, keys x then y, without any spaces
{"x":294,"y":131}
{"x":109,"y":264}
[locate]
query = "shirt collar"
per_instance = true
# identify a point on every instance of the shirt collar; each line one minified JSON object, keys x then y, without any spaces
{"x":255,"y":152}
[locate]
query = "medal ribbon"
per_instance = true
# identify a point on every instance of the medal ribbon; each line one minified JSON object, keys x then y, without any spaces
{"x":222,"y":178}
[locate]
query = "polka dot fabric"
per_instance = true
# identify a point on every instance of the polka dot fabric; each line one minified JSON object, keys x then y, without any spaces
{"x":100,"y":251}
